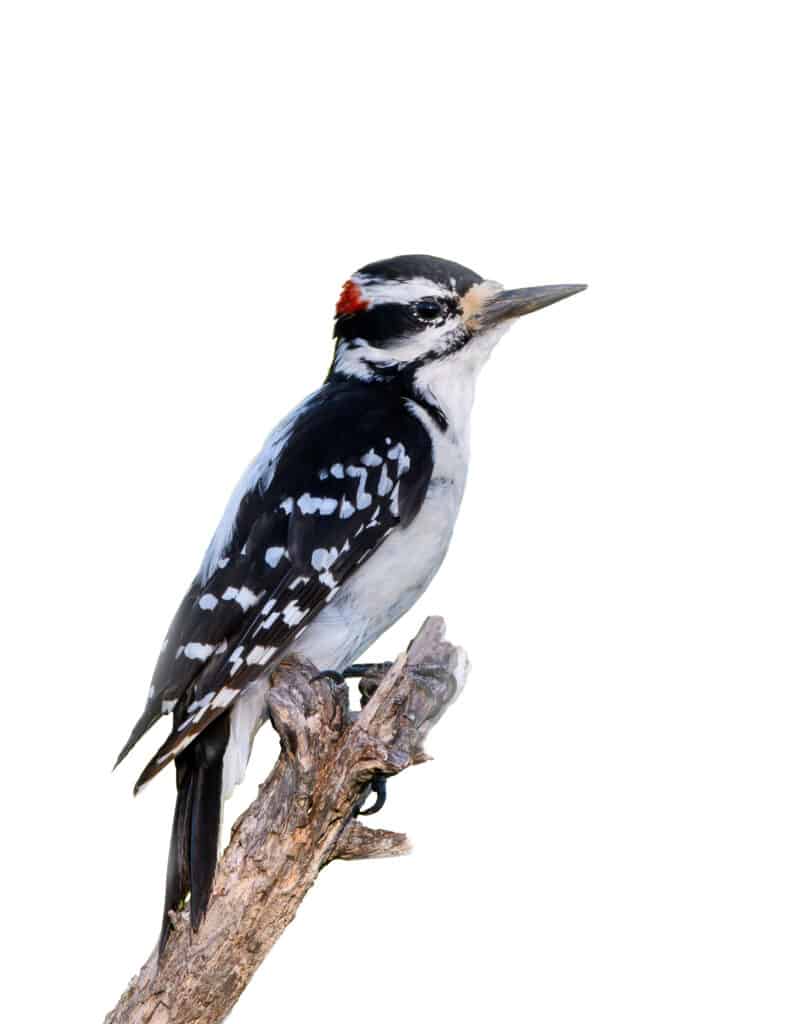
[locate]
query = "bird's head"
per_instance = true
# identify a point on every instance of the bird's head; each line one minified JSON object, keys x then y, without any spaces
{"x":401,"y":314}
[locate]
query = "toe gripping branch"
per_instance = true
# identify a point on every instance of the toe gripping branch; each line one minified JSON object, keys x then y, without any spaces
{"x":370,"y":675}
{"x":399,"y":700}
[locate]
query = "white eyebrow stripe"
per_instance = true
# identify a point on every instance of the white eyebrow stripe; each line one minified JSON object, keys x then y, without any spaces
{"x":377,"y":293}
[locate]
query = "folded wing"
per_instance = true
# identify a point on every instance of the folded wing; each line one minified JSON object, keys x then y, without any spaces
{"x":348,"y":475}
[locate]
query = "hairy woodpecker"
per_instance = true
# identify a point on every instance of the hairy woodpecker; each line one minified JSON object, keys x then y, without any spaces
{"x":333,"y":532}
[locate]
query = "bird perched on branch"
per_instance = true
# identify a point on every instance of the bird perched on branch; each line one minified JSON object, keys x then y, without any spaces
{"x":333,"y":532}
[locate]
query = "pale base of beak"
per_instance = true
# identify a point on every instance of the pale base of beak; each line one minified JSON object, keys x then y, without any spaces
{"x":512,"y":303}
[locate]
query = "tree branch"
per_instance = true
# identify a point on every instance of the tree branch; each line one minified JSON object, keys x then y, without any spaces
{"x":301,"y":820}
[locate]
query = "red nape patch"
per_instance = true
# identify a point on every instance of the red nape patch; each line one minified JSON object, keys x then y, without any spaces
{"x":351,"y":300}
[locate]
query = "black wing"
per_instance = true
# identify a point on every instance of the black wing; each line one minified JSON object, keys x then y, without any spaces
{"x":355,"y":467}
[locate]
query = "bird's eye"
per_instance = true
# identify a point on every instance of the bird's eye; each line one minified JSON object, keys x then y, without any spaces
{"x":428,"y":309}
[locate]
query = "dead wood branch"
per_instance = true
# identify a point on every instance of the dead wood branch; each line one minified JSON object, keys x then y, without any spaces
{"x":301,"y":820}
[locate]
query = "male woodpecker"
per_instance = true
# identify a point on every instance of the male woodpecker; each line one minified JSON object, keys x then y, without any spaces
{"x":333,"y":532}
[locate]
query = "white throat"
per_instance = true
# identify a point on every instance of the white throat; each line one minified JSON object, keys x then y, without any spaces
{"x":450,"y":382}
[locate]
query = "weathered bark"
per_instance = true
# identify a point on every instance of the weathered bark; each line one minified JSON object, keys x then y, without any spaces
{"x":301,"y":820}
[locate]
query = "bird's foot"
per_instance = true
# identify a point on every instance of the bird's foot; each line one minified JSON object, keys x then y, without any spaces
{"x":378,"y":787}
{"x":332,"y":675}
{"x":364,"y":668}
{"x":369,"y":674}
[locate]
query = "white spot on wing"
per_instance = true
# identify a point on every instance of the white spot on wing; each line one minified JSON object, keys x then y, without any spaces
{"x":363,"y":499}
{"x":198,"y":708}
{"x":273,"y":556}
{"x":198,"y":652}
{"x":293,"y":614}
{"x":323,"y":558}
{"x":385,"y":484}
{"x":224,"y":697}
{"x":398,"y":452}
{"x":371,"y":459}
{"x":236,"y":659}
{"x":246,"y":598}
{"x":309,"y":505}
{"x":208,"y":602}
{"x":260,"y":655}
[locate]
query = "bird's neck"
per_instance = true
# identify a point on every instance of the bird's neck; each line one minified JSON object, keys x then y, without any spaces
{"x":447,"y":397}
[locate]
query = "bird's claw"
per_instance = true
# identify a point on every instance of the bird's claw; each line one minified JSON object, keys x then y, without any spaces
{"x":369,"y":674}
{"x":378,"y":786}
{"x":364,"y":668}
{"x":332,"y":675}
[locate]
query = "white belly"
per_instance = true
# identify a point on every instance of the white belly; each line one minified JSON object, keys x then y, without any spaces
{"x":386,"y":585}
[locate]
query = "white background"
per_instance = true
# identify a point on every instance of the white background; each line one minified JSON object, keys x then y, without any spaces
{"x":604,"y":834}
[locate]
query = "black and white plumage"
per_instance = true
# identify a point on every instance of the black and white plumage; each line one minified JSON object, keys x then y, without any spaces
{"x":335,"y":529}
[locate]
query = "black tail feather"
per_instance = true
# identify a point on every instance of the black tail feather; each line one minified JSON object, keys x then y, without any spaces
{"x":178,"y":877}
{"x":206,"y":814}
{"x":195,"y":836}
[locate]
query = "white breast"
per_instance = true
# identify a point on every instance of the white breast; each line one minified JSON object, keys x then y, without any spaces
{"x":394,"y":577}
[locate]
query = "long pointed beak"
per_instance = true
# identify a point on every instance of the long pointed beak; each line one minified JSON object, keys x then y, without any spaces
{"x":507,"y":305}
